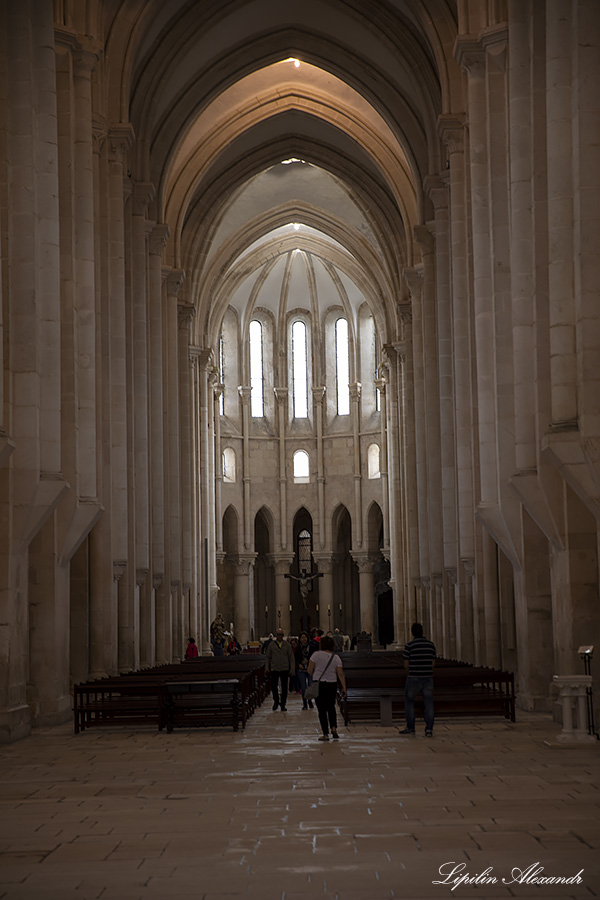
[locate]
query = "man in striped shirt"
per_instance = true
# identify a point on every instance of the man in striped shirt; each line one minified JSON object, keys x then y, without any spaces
{"x":419,"y":659}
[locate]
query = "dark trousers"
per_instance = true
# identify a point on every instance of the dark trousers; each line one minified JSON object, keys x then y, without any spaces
{"x":414,"y":686}
{"x":277,"y":677}
{"x":326,"y":705}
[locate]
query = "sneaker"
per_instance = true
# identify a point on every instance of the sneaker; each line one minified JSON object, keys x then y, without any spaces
{"x":335,"y":735}
{"x":324,"y":737}
{"x":428,"y":732}
{"x":407,"y":731}
{"x":275,"y":705}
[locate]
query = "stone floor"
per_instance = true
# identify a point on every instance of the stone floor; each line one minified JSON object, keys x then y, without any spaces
{"x":272,"y":814}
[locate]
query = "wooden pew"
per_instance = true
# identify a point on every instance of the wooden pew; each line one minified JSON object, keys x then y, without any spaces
{"x":136,"y":698}
{"x":375,"y":690}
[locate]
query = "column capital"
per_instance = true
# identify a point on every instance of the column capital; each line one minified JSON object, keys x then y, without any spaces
{"x":244,"y":391}
{"x":325,"y":561}
{"x":381,"y":383}
{"x":364,"y":561}
{"x":157,"y":580}
{"x":281,"y":562}
{"x":494,"y":41}
{"x":120,"y":139}
{"x":451,"y":575}
{"x":174,"y":278}
{"x":355,"y":391}
{"x":242,"y":563}
{"x":424,"y":238}
{"x":159,"y":236}
{"x":469,"y":566}
{"x":185,"y":314}
{"x":99,"y":132}
{"x":281,"y":395}
{"x":119,"y":566}
{"x":203,"y":356}
{"x":141,"y":196}
{"x":451,"y":130}
{"x":140,"y":576}
{"x":436,"y":188}
{"x":414,"y":281}
{"x":469,"y":55}
{"x":319,"y":393}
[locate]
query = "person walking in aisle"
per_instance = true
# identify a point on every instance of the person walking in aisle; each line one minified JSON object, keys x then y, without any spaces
{"x":325,"y":666}
{"x":279,"y":662}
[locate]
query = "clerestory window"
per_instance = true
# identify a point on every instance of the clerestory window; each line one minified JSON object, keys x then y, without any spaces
{"x":257,"y":405}
{"x":342,"y":367}
{"x":299,"y":370}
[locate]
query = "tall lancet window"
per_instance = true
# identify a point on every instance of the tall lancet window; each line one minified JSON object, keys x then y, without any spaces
{"x":300,"y":375}
{"x":257,"y":406}
{"x":222,"y":375}
{"x":374,"y":351}
{"x":342,"y":364}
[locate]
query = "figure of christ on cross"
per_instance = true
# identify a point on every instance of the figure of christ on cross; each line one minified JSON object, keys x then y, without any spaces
{"x":304,"y":581}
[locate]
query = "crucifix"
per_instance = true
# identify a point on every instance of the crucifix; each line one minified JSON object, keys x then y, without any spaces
{"x":304,"y":581}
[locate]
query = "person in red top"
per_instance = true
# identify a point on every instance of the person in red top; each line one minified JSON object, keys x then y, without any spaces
{"x":192,"y":650}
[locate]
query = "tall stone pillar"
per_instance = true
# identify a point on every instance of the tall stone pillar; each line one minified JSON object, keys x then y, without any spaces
{"x":326,"y":600}
{"x":141,"y":229}
{"x":208,"y":602}
{"x":244,"y":392}
{"x":355,"y":391}
{"x":366,"y":564}
{"x":157,"y":241}
{"x":120,"y":139}
{"x":318,"y":400}
{"x":281,"y":395}
{"x":186,"y":313}
{"x":242,"y":596}
{"x":218,"y":471}
{"x":381,"y":385}
{"x":283,"y":610}
{"x":172,"y":461}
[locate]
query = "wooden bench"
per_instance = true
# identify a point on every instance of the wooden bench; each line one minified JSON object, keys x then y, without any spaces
{"x":203,"y":703}
{"x":375,"y":691}
{"x":136,"y":698}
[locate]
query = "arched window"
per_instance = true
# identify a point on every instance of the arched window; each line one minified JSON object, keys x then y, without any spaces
{"x":222,"y":374}
{"x":257,"y":407}
{"x":304,"y":552}
{"x":300,"y":372}
{"x":374,"y":351}
{"x":301,"y":466}
{"x":342,"y":367}
{"x":229,"y":464}
{"x":373,"y":466}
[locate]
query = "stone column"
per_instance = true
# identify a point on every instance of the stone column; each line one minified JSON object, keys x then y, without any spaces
{"x":208,"y":605}
{"x":452,"y":607}
{"x":141,"y":228}
{"x":381,"y":385}
{"x":559,"y":155}
{"x":318,"y":400}
{"x":244,"y":392}
{"x":186,"y":313}
{"x":325,"y":562}
{"x":242,"y":596}
{"x":157,"y":241}
{"x":281,"y":564}
{"x":281,"y":395}
{"x":355,"y":390}
{"x":172,"y":472}
{"x":218,"y":470}
{"x":366,"y":564}
{"x":120,"y":139}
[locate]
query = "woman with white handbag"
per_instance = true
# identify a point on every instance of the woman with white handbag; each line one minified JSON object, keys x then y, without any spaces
{"x":326,"y":668}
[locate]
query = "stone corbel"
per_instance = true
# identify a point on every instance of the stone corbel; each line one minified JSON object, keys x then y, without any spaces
{"x":158,"y":580}
{"x":119,"y":566}
{"x":140,"y":576}
{"x":7,"y":446}
{"x":451,"y":130}
{"x":142,"y":195}
{"x":158,"y":238}
{"x":451,"y":575}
